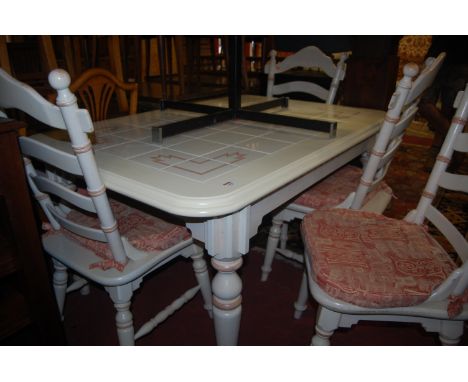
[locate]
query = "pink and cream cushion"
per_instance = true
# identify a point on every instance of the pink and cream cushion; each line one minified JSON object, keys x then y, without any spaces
{"x":369,"y":260}
{"x":335,"y":188}
{"x":145,"y":232}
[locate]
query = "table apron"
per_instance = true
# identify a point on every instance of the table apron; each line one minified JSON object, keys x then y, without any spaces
{"x":228,"y":236}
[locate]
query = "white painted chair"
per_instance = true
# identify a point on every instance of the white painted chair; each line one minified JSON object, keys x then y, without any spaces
{"x":308,"y":57}
{"x":364,"y":266}
{"x":350,"y":186}
{"x":99,"y":239}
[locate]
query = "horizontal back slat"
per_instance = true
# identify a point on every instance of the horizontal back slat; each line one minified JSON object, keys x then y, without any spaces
{"x":461,"y":144}
{"x":454,"y":182}
{"x":304,"y":57}
{"x":425,"y":79}
{"x":81,"y":230}
{"x":301,"y":86}
{"x":64,"y":161}
{"x":49,"y":186}
{"x":14,"y":93}
{"x":404,"y":122}
{"x":390,"y":153}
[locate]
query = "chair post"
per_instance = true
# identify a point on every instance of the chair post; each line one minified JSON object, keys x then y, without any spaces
{"x":77,"y":123}
{"x":271,"y":73}
{"x":391,"y":118}
{"x":340,"y":74}
{"x":446,"y":151}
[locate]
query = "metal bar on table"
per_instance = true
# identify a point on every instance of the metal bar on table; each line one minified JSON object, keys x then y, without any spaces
{"x":194,"y":107}
{"x":277,"y":102}
{"x":286,"y":120}
{"x":161,"y":132}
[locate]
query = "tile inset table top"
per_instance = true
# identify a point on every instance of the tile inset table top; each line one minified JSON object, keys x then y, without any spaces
{"x":224,"y":163}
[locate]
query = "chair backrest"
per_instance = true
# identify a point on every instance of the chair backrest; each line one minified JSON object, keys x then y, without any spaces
{"x":456,"y":140}
{"x":78,"y":160}
{"x":426,"y":78}
{"x":389,"y":137}
{"x":401,"y":111}
{"x":308,"y":57}
{"x":97,"y":86}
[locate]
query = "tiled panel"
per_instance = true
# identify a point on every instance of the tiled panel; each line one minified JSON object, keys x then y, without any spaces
{"x":162,"y":158}
{"x":200,"y":169}
{"x":285,"y":136}
{"x":226,"y":137}
{"x":135,"y":134}
{"x":235,"y":155}
{"x":264,"y":145}
{"x":197,"y":147}
{"x":199,"y":132}
{"x":251,"y":130}
{"x":199,"y":154}
{"x":129,"y":149}
{"x":104,"y":141}
{"x":169,"y":141}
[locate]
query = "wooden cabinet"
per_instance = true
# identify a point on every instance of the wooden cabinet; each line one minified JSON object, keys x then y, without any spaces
{"x":28,"y":311}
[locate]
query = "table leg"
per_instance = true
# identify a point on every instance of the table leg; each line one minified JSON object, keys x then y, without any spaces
{"x":227,"y":308}
{"x":226,"y":240}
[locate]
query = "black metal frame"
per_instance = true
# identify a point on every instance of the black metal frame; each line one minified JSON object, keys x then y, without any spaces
{"x":214,"y":114}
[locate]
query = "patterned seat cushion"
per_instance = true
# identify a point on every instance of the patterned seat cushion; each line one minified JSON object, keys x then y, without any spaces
{"x":335,"y":188}
{"x":145,"y":232}
{"x":369,"y":260}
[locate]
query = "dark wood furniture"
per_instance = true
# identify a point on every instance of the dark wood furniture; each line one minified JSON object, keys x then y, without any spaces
{"x":28,"y":311}
{"x":371,"y":71}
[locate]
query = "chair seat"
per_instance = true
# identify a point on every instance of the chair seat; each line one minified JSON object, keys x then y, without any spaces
{"x":369,"y":260}
{"x":143,"y":231}
{"x":334,"y":189}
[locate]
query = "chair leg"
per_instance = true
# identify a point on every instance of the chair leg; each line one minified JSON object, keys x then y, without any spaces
{"x":121,"y":296}
{"x":84,"y":290}
{"x":60,"y":280}
{"x":203,"y":278}
{"x":301,"y":304}
{"x":272,"y":244}
{"x":284,"y":235}
{"x":450,"y":332}
{"x":327,"y":323}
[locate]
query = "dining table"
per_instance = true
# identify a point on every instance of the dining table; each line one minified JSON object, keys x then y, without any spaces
{"x":221,"y":180}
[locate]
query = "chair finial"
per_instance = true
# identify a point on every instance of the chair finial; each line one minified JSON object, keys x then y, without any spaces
{"x":411,"y":70}
{"x":59,"y":79}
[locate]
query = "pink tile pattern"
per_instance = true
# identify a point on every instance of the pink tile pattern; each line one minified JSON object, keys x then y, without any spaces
{"x":200,"y":154}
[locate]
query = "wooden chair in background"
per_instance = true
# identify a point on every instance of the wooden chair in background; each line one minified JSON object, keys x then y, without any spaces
{"x":351,"y":186}
{"x":99,"y":239}
{"x":97,"y":86}
{"x":364,"y":266}
{"x":308,"y":57}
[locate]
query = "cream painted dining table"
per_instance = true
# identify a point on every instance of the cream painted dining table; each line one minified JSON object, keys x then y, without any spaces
{"x":224,"y":178}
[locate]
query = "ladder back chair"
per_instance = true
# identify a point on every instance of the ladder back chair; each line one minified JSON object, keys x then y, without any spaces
{"x":364,"y":266}
{"x":96,"y":87}
{"x":308,"y":57}
{"x":99,"y":239}
{"x":351,"y":186}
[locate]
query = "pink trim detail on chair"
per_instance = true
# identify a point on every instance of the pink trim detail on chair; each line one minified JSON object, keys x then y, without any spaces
{"x":455,"y":305}
{"x":369,"y":260}
{"x":335,"y":188}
